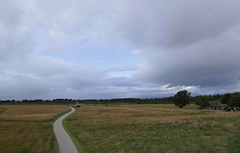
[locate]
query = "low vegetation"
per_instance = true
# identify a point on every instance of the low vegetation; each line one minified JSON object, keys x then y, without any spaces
{"x":31,"y":112}
{"x":28,"y":128}
{"x":154,"y":128}
{"x":24,"y":138}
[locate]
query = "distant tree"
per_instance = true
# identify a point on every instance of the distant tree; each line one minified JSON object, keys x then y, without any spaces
{"x":234,"y":100}
{"x":182,"y":98}
{"x":203,"y":101}
{"x":13,"y":101}
{"x":225,"y":98}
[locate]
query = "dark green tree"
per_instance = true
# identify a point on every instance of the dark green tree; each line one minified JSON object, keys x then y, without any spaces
{"x":225,"y":98}
{"x":203,"y":101}
{"x":234,"y":100}
{"x":182,"y":98}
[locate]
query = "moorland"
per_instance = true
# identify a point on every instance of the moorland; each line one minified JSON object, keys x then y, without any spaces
{"x":101,"y":128}
{"x":154,"y":128}
{"x":28,"y":128}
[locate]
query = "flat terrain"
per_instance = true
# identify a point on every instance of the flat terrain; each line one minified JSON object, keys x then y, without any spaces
{"x":154,"y":128}
{"x":28,"y":128}
{"x":31,"y":112}
{"x":22,"y":137}
{"x":65,"y":143}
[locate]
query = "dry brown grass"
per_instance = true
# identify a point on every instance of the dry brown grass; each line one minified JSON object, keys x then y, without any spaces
{"x":32,"y":112}
{"x":154,"y":128}
{"x":35,"y":134}
{"x":24,"y":138}
{"x":128,"y":114}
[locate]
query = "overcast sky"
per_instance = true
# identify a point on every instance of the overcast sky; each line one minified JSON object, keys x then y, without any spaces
{"x":117,"y":49}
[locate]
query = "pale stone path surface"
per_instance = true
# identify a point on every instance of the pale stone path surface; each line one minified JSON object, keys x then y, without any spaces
{"x":65,"y":143}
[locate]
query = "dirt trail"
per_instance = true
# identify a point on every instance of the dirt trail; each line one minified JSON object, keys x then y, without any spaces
{"x":66,"y":144}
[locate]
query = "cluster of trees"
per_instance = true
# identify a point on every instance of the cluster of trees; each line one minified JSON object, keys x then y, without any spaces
{"x":167,"y":100}
{"x":231,"y":99}
{"x":182,"y":98}
{"x":202,"y":101}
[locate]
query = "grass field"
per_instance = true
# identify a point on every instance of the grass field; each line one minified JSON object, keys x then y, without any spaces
{"x":28,"y":128}
{"x":31,"y":112}
{"x":154,"y":128}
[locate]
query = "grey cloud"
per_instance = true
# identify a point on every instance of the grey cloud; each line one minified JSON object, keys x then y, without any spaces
{"x":182,"y":43}
{"x":34,"y":78}
{"x":10,"y":14}
{"x":15,"y":39}
{"x":189,"y":43}
{"x":121,"y":82}
{"x":177,"y":24}
{"x":213,"y":62}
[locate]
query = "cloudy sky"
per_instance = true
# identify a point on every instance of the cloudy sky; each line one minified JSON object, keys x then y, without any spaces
{"x":114,"y":49}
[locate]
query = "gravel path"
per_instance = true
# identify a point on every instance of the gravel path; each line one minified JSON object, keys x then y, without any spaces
{"x":66,"y":144}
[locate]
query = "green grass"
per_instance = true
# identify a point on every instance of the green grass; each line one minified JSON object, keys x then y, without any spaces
{"x":24,"y":138}
{"x":25,"y":135}
{"x":154,"y":128}
{"x":2,"y":110}
{"x":54,"y":147}
{"x":79,"y":144}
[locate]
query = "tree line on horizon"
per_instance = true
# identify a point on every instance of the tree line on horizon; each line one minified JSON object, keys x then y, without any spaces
{"x":231,"y":99}
{"x":166,"y":100}
{"x":182,"y":98}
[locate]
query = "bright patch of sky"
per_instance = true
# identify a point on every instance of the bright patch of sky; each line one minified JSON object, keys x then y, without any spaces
{"x":127,"y":74}
{"x":104,"y":57}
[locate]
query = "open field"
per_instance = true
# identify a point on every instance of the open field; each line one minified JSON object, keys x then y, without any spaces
{"x":22,"y":137}
{"x":28,"y":128}
{"x":31,"y":112}
{"x":154,"y":128}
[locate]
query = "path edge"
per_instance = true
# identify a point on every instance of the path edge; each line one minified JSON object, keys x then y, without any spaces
{"x":80,"y":147}
{"x":54,"y":144}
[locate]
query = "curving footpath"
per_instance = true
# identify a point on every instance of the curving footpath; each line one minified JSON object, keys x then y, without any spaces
{"x":65,"y":143}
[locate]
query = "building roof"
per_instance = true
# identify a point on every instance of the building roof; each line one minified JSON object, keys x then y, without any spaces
{"x":215,"y":103}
